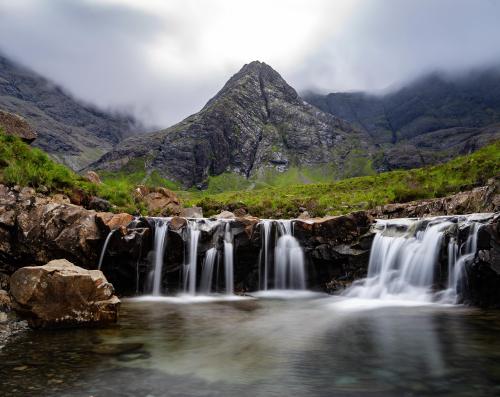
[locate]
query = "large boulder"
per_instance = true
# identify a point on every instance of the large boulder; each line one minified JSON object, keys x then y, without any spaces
{"x":17,"y":126}
{"x":60,"y":294}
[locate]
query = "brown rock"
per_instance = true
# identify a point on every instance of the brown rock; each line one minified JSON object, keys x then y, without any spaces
{"x":240,"y":212}
{"x":60,"y":294}
{"x":225,"y":215}
{"x":161,"y":201}
{"x":53,"y":230}
{"x":7,"y":218}
{"x":5,"y":301}
{"x":17,"y":126}
{"x":177,"y":223}
{"x":108,"y":221}
{"x":93,"y":177}
{"x":60,"y":199}
{"x":192,"y":212}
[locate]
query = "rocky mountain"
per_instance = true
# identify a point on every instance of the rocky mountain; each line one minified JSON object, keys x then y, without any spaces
{"x":256,"y":123}
{"x":432,"y":119}
{"x":72,"y":132}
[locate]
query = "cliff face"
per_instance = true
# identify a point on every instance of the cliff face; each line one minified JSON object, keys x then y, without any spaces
{"x":72,"y":132}
{"x":256,"y":122}
{"x":432,"y":119}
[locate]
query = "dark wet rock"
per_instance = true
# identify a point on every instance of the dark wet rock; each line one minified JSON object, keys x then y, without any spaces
{"x":337,"y":248}
{"x":116,"y":348}
{"x":60,"y":294}
{"x":483,"y":273}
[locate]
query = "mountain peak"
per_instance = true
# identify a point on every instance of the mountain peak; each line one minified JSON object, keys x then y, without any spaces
{"x":256,"y":124}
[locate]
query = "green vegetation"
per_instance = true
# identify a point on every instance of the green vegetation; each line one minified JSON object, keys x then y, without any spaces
{"x":20,"y":164}
{"x":271,"y":194}
{"x":353,"y":194}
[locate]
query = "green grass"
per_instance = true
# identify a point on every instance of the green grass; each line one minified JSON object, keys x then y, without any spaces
{"x":23,"y":165}
{"x":353,"y":194}
{"x":271,"y":194}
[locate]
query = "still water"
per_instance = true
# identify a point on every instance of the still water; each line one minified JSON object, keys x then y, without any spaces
{"x":312,"y":345}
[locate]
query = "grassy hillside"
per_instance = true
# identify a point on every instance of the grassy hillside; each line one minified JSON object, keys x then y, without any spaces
{"x":352,"y":194}
{"x":23,"y":165}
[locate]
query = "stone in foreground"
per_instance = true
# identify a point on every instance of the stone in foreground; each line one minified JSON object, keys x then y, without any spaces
{"x":60,"y":294}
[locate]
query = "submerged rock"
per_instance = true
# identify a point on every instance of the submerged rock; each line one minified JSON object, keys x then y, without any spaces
{"x":60,"y":294}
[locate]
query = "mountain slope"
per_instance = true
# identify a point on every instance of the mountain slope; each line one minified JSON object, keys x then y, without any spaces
{"x":433,"y":119}
{"x":73,"y":133}
{"x":255,"y":124}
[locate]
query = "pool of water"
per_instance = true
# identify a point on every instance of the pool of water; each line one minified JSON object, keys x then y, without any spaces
{"x":311,"y":345}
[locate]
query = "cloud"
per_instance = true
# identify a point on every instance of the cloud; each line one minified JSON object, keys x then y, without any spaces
{"x":163,"y":60}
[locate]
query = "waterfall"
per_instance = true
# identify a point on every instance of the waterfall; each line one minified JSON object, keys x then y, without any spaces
{"x":160,"y":243}
{"x":458,"y":257}
{"x":104,"y":248}
{"x":402,"y":265}
{"x":190,"y":274}
{"x":289,"y":272}
{"x":265,"y":235}
{"x":208,"y":271}
{"x":228,"y":260}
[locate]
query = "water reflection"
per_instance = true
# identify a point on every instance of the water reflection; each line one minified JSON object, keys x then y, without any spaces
{"x":316,"y":346}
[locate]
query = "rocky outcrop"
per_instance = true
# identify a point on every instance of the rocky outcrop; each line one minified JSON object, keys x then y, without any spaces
{"x":35,"y":229}
{"x":483,"y":273}
{"x":60,"y":294}
{"x":257,"y":122}
{"x":15,"y":125}
{"x":480,"y":199}
{"x":338,"y":249}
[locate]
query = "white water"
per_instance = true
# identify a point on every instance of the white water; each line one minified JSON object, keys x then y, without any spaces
{"x":104,"y":248}
{"x":457,"y":259}
{"x":190,"y":276}
{"x":208,"y":271}
{"x":265,"y":236}
{"x":161,"y":228}
{"x":289,"y":269}
{"x":403,"y":266}
{"x":228,"y":260}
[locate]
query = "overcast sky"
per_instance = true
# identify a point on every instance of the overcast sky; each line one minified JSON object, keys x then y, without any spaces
{"x":163,"y":59}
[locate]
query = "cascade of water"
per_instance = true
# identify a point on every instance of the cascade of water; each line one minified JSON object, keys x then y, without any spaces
{"x":266,"y":234}
{"x":228,"y":259}
{"x":457,"y":259}
{"x":190,"y":275}
{"x":160,"y":243}
{"x":208,"y":271}
{"x":104,"y":248}
{"x":289,"y":270}
{"x":402,"y":266}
